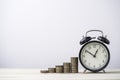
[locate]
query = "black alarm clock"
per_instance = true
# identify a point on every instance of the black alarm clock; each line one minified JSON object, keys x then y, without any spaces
{"x":94,"y":54}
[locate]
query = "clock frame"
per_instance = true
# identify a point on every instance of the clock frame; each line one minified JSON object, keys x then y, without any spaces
{"x":101,"y":68}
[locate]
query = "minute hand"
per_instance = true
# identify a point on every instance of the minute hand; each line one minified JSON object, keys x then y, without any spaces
{"x":89,"y":52}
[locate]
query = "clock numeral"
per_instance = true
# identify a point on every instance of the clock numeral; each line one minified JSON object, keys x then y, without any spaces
{"x":99,"y":47}
{"x":83,"y":56}
{"x":85,"y":51}
{"x":103,"y":51}
{"x":94,"y":46}
{"x":103,"y":61}
{"x":94,"y":66}
{"x":89,"y":47}
{"x":89,"y":64}
{"x":85,"y":61}
{"x":105,"y":56}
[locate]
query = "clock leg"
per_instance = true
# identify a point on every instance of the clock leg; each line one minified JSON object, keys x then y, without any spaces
{"x":84,"y":71}
{"x":103,"y":70}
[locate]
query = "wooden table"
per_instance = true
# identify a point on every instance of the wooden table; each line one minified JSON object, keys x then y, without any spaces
{"x":34,"y":74}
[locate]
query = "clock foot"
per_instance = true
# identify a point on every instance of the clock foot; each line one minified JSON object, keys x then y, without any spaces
{"x":84,"y":71}
{"x":104,"y":71}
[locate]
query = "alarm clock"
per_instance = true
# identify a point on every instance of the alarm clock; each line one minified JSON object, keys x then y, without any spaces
{"x":94,"y":54}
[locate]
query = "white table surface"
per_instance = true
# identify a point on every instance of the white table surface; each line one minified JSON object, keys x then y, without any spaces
{"x":34,"y":74}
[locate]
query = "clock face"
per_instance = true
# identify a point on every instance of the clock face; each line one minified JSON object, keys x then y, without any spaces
{"x":94,"y":56}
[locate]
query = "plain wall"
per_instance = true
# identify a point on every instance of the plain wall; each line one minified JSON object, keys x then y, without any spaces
{"x":45,"y":33}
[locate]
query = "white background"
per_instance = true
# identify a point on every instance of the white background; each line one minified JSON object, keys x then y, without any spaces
{"x":45,"y":33}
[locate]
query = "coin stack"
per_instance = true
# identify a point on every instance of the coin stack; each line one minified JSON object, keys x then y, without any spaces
{"x":59,"y":69}
{"x":51,"y":70}
{"x":66,"y":67}
{"x":74,"y":64}
{"x":44,"y":71}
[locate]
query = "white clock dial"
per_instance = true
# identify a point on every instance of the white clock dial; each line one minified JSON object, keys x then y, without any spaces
{"x":94,"y":56}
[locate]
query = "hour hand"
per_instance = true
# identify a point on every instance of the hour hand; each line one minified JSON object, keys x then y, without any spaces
{"x":96,"y":52}
{"x":89,"y":52}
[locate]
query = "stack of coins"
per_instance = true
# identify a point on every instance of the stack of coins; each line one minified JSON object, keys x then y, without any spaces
{"x":74,"y":64}
{"x":51,"y":70}
{"x":44,"y":71}
{"x":66,"y":67}
{"x":59,"y":69}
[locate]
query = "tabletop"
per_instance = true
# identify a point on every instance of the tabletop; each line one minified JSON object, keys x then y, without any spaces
{"x":34,"y":74}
